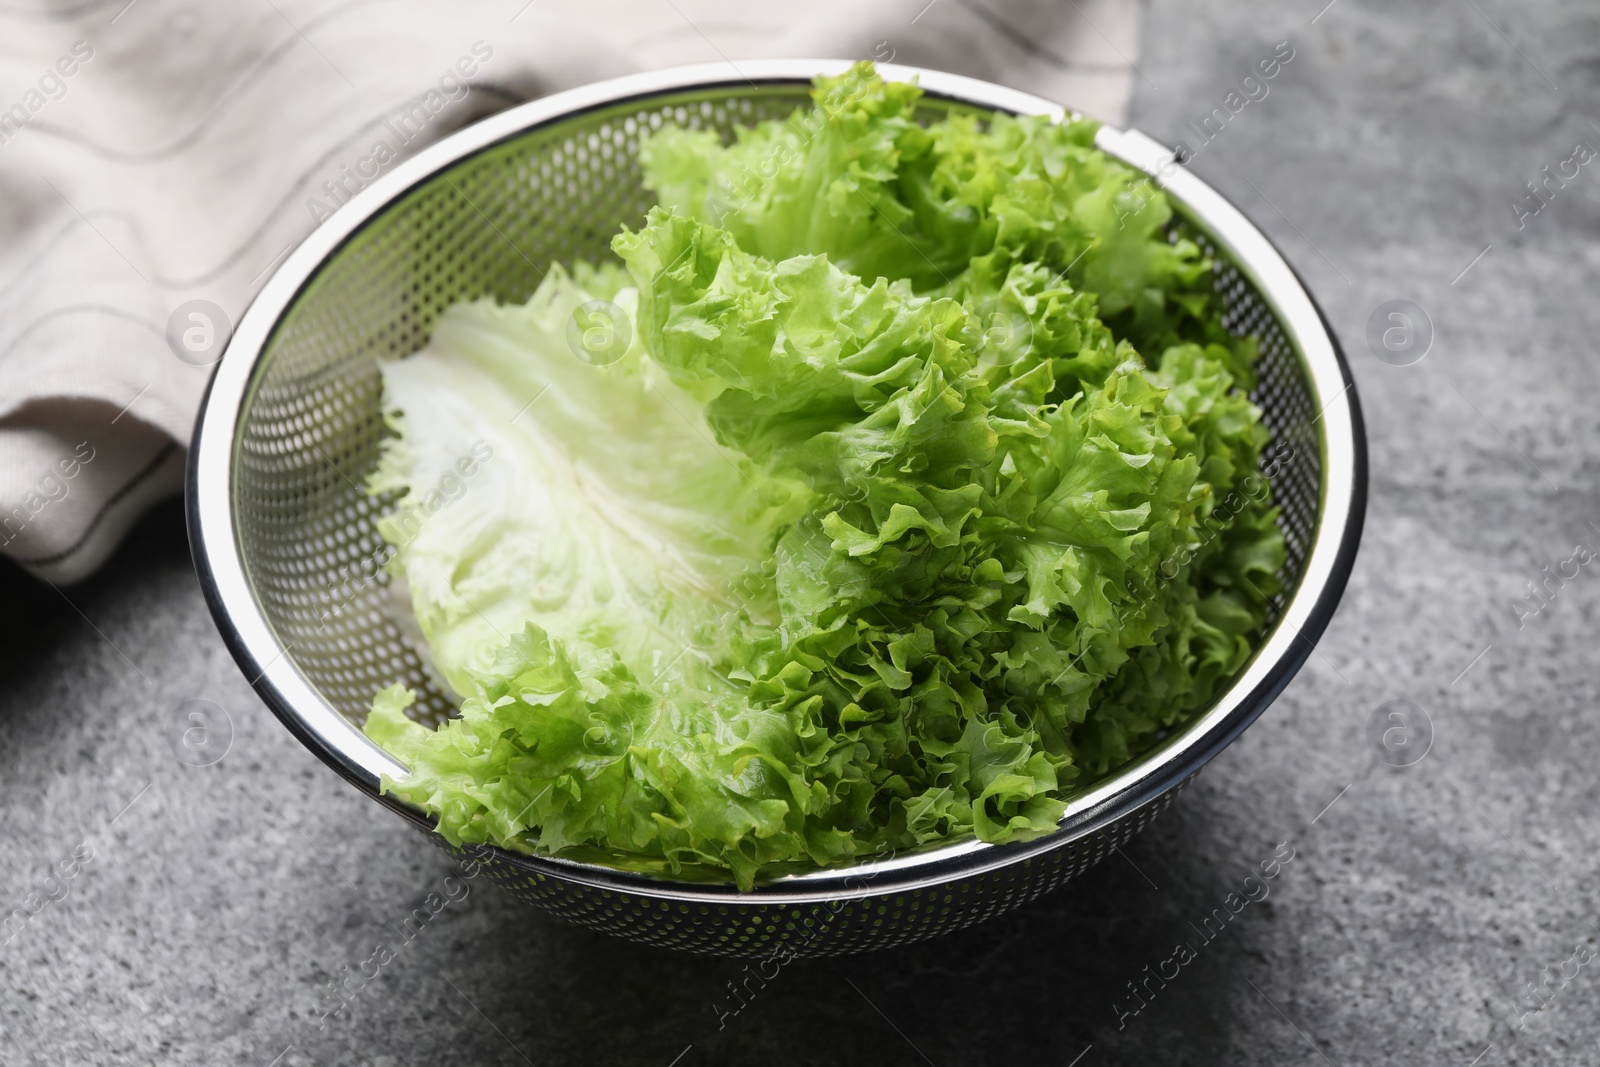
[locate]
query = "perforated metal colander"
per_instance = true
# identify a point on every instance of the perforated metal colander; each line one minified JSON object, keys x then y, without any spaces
{"x":285,"y":542}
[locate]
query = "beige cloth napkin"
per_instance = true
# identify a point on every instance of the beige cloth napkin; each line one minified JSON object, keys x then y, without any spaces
{"x":159,"y":158}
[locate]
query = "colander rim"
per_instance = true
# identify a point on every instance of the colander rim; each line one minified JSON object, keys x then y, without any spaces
{"x":220,"y":565}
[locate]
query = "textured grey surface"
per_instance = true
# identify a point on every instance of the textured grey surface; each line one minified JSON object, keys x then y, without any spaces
{"x":218,"y":907}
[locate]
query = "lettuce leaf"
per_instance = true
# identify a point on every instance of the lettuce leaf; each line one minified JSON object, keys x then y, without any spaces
{"x":951,"y":208}
{"x":877,"y":535}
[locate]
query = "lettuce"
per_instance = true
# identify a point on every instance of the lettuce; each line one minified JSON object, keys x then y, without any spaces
{"x":828,"y":564}
{"x":951,"y":208}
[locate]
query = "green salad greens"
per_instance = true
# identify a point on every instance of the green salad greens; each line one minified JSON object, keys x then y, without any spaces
{"x":925,"y":492}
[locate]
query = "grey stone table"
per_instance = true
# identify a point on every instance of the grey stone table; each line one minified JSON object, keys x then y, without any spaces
{"x":208,"y":909}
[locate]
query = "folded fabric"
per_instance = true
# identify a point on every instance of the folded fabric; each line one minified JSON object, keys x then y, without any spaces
{"x":157,"y":163}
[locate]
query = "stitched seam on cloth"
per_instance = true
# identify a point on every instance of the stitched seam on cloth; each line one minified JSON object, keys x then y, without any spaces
{"x":233,"y":258}
{"x":188,"y":140}
{"x":79,"y":309}
{"x":94,"y":523}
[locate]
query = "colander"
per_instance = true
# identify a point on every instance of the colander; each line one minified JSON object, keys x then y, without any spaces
{"x":286,"y":549}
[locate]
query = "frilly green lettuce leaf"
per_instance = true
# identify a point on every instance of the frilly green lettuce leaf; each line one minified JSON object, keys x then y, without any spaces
{"x":881,"y":533}
{"x":951,"y":208}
